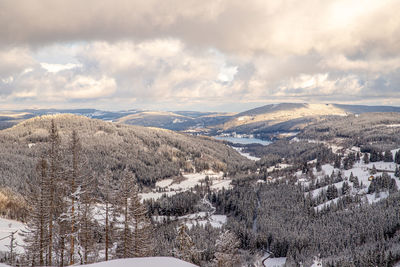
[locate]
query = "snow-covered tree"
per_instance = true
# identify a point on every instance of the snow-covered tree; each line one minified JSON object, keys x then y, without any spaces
{"x":184,"y":247}
{"x":135,"y":237}
{"x":226,"y":254}
{"x":36,"y":233}
{"x":108,"y":197}
{"x":54,"y":198}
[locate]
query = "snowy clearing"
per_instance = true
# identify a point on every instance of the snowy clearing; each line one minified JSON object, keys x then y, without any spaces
{"x":190,"y":180}
{"x":247,"y":155}
{"x":6,"y":228}
{"x":275,"y":262}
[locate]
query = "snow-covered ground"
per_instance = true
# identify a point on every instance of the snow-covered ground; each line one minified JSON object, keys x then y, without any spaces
{"x":279,"y":166}
{"x":275,"y":262}
{"x":247,"y":155}
{"x":6,"y":228}
{"x":199,"y":218}
{"x":361,"y":170}
{"x":142,"y":262}
{"x":139,"y":262}
{"x":171,"y":187}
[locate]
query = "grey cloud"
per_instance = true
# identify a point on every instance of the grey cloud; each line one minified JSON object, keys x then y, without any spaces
{"x":234,"y":26}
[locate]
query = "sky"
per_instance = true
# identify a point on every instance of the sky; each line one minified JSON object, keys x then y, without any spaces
{"x":220,"y":55}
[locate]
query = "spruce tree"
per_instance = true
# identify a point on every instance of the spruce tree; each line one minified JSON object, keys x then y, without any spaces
{"x":36,"y":233}
{"x":388,"y":157}
{"x":55,"y":198}
{"x":108,"y":197}
{"x":184,"y":247}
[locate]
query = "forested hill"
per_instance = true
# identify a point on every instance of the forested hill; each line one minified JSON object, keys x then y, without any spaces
{"x":151,"y":153}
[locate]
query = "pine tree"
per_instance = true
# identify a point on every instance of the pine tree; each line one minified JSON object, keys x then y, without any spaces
{"x":226,"y":254}
{"x":184,"y":246}
{"x":388,"y":156}
{"x":332,"y":192}
{"x":36,"y":232}
{"x":126,"y":188}
{"x":141,"y":226}
{"x":345,"y":188}
{"x":373,"y":170}
{"x":106,"y":188}
{"x":75,"y":148}
{"x":53,"y":186}
{"x":397,"y":171}
{"x":12,"y":246}
{"x":318,"y":166}
{"x":366,"y":158}
{"x":136,"y":239}
{"x":85,"y":219}
{"x":397,"y":157}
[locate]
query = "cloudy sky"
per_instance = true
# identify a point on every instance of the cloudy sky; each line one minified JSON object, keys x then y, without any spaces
{"x":197,"y":55}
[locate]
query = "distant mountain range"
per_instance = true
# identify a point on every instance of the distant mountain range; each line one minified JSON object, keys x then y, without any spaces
{"x":265,"y":121}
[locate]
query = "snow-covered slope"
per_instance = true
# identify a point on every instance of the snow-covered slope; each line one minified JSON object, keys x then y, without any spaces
{"x":143,"y":262}
{"x":6,"y":228}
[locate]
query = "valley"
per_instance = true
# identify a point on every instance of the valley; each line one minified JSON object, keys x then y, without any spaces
{"x":300,"y":195}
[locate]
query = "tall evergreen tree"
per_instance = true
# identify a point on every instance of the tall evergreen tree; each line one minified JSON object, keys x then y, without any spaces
{"x":184,"y":247}
{"x":55,"y":198}
{"x":36,"y":232}
{"x":108,"y":198}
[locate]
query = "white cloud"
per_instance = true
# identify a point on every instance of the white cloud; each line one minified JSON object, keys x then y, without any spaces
{"x":54,"y":68}
{"x":85,"y":87}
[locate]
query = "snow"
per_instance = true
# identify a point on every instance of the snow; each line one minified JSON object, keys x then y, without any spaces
{"x":247,"y":155}
{"x":219,"y":184}
{"x":190,"y":180}
{"x":275,"y":262}
{"x":278,"y":166}
{"x":361,"y":170}
{"x":140,"y":262}
{"x":373,"y":198}
{"x":6,"y":228}
{"x":216,"y":221}
{"x":164,"y":183}
{"x":155,"y":195}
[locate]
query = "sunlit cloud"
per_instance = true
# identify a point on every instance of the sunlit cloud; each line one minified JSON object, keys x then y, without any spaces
{"x":198,"y":55}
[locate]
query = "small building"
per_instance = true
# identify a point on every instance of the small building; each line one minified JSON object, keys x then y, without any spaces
{"x":371,"y":178}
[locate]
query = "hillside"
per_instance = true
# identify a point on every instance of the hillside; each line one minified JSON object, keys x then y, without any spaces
{"x":178,"y":121}
{"x":151,"y":153}
{"x":376,"y":129}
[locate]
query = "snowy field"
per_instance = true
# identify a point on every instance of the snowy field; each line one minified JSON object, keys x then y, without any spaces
{"x":171,"y":187}
{"x":247,"y":155}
